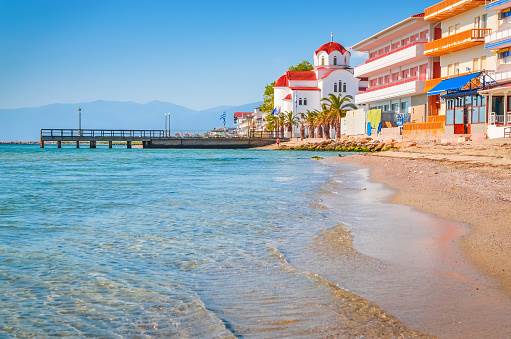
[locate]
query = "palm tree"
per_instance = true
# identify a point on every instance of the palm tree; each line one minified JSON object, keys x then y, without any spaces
{"x":290,"y":121}
{"x":272,"y":123}
{"x":281,"y":123}
{"x":337,"y":107}
{"x":310,"y":118}
{"x":323,"y":123}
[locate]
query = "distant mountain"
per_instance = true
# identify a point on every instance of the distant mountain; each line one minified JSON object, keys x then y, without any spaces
{"x":23,"y":124}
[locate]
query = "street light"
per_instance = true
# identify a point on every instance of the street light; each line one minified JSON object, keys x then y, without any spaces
{"x":80,"y":121}
{"x":167,"y":124}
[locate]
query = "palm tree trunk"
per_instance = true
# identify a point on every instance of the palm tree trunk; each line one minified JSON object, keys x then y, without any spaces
{"x":338,"y":129}
{"x":302,"y":131}
{"x":327,"y":131}
{"x":320,"y":131}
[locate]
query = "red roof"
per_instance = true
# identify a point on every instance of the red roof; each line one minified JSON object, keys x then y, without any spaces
{"x":330,"y":47}
{"x":305,"y":88}
{"x":287,"y":97}
{"x":239,"y":115}
{"x":301,"y":75}
{"x":282,"y":81}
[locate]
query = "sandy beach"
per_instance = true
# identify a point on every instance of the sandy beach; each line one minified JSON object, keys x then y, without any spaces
{"x":466,"y":183}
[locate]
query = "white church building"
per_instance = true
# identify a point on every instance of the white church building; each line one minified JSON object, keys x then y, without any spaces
{"x":298,"y":92}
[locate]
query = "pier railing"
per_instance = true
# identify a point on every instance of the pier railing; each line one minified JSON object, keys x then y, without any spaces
{"x":96,"y":133}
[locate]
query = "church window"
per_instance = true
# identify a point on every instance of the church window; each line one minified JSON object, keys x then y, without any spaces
{"x":340,"y":86}
{"x":344,"y":87}
{"x":335,"y":87}
{"x":300,"y":101}
{"x":322,"y":61}
{"x":305,"y":101}
{"x":335,"y":60}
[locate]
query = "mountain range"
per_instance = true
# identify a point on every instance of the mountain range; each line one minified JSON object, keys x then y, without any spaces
{"x":24,"y":124}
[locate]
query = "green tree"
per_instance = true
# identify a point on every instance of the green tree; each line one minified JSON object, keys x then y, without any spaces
{"x":302,"y":66}
{"x":337,"y":106}
{"x":267,"y":105}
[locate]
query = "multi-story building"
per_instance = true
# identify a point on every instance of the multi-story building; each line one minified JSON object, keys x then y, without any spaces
{"x":396,"y":68}
{"x":462,"y":62}
{"x":499,"y":43}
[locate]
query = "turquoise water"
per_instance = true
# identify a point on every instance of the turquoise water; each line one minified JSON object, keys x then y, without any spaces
{"x":157,"y":242}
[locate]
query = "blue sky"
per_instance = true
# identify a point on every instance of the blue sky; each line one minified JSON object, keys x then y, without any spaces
{"x":194,"y":53}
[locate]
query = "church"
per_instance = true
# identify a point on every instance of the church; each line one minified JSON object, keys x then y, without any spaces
{"x":301,"y":91}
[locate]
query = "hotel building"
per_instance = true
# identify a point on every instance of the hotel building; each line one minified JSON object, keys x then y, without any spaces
{"x":499,"y":44}
{"x":458,"y":52}
{"x":396,"y":68}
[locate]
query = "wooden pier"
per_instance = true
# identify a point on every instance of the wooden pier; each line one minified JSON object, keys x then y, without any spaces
{"x":149,"y":139}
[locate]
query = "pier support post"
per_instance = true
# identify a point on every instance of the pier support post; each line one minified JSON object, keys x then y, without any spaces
{"x":77,"y":144}
{"x":92,"y":144}
{"x":59,"y":144}
{"x":109,"y":143}
{"x":128,"y":144}
{"x":41,"y":144}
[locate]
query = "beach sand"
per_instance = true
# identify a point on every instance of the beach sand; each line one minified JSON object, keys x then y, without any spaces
{"x":469,"y":184}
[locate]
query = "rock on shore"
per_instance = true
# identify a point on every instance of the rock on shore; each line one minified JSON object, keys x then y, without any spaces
{"x":345,"y":145}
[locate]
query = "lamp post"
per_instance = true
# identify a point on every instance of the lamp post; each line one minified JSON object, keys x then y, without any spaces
{"x":80,"y":121}
{"x":167,"y":124}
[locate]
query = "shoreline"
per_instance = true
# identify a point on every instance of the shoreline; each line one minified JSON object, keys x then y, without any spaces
{"x":465,"y":192}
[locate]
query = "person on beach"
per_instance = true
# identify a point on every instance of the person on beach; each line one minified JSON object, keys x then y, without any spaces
{"x":278,"y":142}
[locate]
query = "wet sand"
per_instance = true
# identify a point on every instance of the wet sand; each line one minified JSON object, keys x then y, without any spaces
{"x":408,"y":262}
{"x":476,"y":194}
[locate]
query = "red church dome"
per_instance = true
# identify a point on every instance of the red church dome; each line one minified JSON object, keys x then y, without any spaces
{"x":330,"y":47}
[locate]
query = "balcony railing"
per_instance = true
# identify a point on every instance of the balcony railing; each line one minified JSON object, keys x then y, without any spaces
{"x":500,"y":119}
{"x":456,"y":42}
{"x":449,"y":8}
{"x":392,"y":51}
{"x":391,"y":84}
{"x":492,"y":38}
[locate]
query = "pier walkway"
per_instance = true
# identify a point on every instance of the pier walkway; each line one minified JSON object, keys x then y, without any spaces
{"x":150,"y":139}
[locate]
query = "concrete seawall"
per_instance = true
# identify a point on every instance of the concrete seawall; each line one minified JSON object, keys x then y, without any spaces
{"x":219,"y":143}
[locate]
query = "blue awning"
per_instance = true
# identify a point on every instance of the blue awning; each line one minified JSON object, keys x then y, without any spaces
{"x":453,"y":84}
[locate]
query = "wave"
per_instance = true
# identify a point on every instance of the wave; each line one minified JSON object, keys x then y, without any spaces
{"x":358,"y":317}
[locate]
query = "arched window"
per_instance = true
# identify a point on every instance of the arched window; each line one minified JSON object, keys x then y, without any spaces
{"x":305,"y":101}
{"x":322,"y":61}
{"x":335,"y":60}
{"x":340,"y":85}
{"x":335,"y":87}
{"x":344,"y":87}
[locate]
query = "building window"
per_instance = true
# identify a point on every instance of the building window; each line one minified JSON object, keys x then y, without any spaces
{"x":483,"y":63}
{"x":395,"y":108}
{"x":475,"y":64}
{"x":335,"y":60}
{"x":322,"y":61}
{"x":340,"y":85}
{"x":344,"y":87}
{"x":404,"y":107}
{"x":335,"y":87}
{"x":457,"y":68}
{"x":305,"y":101}
{"x":300,"y":101}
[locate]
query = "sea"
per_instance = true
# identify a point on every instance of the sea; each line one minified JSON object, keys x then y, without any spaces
{"x":224,"y":244}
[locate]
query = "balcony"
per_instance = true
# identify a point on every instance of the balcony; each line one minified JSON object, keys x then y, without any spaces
{"x":394,"y":58}
{"x":499,"y":39}
{"x":456,"y":42}
{"x":497,"y":5}
{"x":397,"y":89}
{"x":449,"y":8}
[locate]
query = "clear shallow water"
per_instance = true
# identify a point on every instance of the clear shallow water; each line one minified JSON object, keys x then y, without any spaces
{"x":166,"y":243}
{"x":184,"y":243}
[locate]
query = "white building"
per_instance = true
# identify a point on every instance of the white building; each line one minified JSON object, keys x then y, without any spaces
{"x":396,"y":68}
{"x":299,"y":92}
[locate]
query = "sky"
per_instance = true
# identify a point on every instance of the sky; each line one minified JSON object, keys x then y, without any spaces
{"x":198,"y":54}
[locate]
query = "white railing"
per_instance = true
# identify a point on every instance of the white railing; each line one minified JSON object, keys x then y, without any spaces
{"x":500,"y":76}
{"x":498,"y":35}
{"x":500,"y":118}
